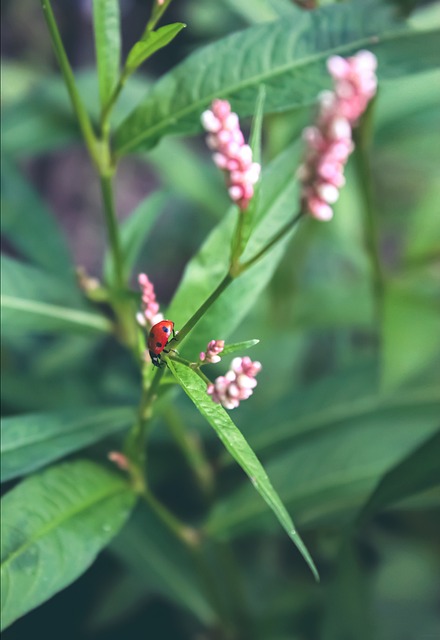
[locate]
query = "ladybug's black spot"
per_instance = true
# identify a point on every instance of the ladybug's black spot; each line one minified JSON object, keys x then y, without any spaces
{"x":165,"y":329}
{"x":158,"y":344}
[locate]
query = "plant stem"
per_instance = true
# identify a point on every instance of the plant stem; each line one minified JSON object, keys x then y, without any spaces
{"x":69,"y":79}
{"x":203,"y":309}
{"x":277,"y":237}
{"x":106,"y":111}
{"x":192,"y":450}
{"x":158,"y":11}
{"x":135,"y":442}
{"x":188,"y":535}
{"x":112,"y":230}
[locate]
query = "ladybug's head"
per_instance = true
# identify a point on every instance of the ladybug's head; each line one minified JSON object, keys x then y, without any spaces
{"x":155,"y":359}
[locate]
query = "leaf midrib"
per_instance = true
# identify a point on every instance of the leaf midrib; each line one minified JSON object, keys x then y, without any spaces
{"x":85,"y":423}
{"x":69,"y":514}
{"x":177,"y":115}
{"x":362,"y":407}
{"x":55,"y":311}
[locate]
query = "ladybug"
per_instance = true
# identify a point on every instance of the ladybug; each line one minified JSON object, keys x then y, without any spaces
{"x":158,"y":338}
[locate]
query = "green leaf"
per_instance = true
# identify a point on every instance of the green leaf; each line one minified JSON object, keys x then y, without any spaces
{"x":276,"y":206}
{"x":189,"y":175}
{"x":164,"y":566}
{"x":134,"y":231}
{"x":31,"y":441}
{"x":423,"y":239}
{"x":239,"y":346}
{"x":246,"y":222}
{"x":34,"y":301}
{"x":417,"y":472}
{"x":347,"y":612}
{"x":53,"y":526}
{"x":260,"y":10}
{"x":287,"y":56}
{"x":29,"y":226}
{"x":235,"y":443}
{"x":328,"y":459}
{"x":106,"y":18}
{"x":151,"y":42}
{"x":27,"y":315}
{"x":410,"y":331}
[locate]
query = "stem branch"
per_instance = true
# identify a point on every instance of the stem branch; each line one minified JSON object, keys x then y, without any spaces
{"x":277,"y":237}
{"x":203,"y":309}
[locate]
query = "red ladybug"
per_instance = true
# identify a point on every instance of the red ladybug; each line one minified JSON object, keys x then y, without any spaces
{"x":157,"y":339}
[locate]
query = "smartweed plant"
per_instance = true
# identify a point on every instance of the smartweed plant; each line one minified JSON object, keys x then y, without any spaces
{"x":289,"y":107}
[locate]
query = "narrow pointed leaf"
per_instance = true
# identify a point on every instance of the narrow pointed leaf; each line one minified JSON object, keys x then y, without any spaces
{"x":33,"y":300}
{"x":53,"y":526}
{"x":106,"y":19}
{"x":239,"y":346}
{"x":30,"y":441}
{"x":20,"y":314}
{"x":154,"y":40}
{"x":30,"y":227}
{"x":236,"y":444}
{"x":417,"y":472}
{"x":287,"y":56}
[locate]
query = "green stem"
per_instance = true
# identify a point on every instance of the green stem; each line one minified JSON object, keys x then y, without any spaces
{"x":112,"y":230}
{"x":188,"y":535}
{"x":237,"y":248}
{"x":158,"y":11}
{"x":277,"y":237}
{"x":135,"y":442}
{"x":203,"y":309}
{"x":69,"y":79}
{"x":192,"y":449}
{"x":106,"y":112}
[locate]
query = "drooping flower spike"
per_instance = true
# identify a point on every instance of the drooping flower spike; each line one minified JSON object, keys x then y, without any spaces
{"x":231,"y":153}
{"x":212,"y":352}
{"x":329,"y":142}
{"x":237,"y":384}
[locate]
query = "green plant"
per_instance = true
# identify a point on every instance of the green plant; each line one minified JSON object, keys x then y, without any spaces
{"x":339,"y":449}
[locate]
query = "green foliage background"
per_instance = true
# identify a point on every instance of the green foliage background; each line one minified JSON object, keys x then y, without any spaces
{"x":346,"y":414}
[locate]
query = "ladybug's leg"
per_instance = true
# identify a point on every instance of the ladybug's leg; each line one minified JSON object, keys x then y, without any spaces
{"x":173,"y":350}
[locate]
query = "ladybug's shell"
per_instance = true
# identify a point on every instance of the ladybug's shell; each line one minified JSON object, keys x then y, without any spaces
{"x":159,"y":335}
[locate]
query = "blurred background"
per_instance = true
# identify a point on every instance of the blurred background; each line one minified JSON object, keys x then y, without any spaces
{"x":349,"y":404}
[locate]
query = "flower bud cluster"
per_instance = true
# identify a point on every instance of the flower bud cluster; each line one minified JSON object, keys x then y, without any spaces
{"x":150,"y":307}
{"x":329,"y":142}
{"x":231,"y":154}
{"x":212,"y":352}
{"x":237,"y":384}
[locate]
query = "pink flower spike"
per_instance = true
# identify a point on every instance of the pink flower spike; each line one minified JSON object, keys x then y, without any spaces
{"x":329,"y":142}
{"x":232,"y":154}
{"x":150,"y":308}
{"x":237,"y":385}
